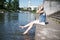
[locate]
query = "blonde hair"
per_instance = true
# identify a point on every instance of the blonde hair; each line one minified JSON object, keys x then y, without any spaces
{"x":41,"y":7}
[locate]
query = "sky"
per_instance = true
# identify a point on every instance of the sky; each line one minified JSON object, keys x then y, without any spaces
{"x":24,"y":3}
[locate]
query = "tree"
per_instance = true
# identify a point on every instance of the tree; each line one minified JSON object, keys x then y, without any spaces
{"x":16,"y":4}
{"x":12,"y":5}
{"x":2,"y":4}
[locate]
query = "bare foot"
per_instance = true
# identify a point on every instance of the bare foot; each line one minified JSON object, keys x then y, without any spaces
{"x":21,"y":27}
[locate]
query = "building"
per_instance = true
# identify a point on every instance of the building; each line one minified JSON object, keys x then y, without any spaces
{"x":51,"y":6}
{"x":33,"y":7}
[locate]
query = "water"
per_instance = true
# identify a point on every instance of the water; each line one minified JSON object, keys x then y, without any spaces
{"x":9,"y":26}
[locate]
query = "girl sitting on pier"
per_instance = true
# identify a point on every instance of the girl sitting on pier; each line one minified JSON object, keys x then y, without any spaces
{"x":41,"y":20}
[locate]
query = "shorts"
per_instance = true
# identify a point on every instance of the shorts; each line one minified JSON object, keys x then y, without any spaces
{"x":38,"y":22}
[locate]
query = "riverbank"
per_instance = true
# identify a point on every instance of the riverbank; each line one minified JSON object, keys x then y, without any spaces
{"x":51,"y":31}
{"x":55,"y":16}
{"x":29,"y":12}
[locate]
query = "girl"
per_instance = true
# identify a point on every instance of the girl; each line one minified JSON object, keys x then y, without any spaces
{"x":41,"y":20}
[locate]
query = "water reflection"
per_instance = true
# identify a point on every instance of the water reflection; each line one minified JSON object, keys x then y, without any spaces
{"x":10,"y":22}
{"x":27,"y":37}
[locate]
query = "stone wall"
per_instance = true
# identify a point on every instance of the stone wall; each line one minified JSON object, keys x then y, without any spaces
{"x":51,"y":7}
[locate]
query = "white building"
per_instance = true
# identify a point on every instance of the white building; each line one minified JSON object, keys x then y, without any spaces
{"x":33,"y":7}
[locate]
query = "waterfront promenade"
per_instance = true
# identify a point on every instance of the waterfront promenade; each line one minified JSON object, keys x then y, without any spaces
{"x":50,"y":31}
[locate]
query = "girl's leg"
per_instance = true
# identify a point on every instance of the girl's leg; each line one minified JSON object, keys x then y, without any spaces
{"x":28,"y":24}
{"x":31,"y":25}
{"x":25,"y":26}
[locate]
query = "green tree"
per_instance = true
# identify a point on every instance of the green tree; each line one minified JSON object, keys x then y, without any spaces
{"x":16,"y":5}
{"x":2,"y":4}
{"x":12,"y":5}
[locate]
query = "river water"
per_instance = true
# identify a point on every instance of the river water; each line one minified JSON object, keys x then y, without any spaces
{"x":10,"y":22}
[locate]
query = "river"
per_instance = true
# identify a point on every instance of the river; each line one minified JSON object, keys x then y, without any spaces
{"x":9,"y":26}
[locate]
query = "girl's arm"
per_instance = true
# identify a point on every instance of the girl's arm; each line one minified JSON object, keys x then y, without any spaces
{"x":39,"y":11}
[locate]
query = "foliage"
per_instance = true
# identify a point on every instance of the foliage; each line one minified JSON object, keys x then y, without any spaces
{"x":10,"y":5}
{"x":1,"y":4}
